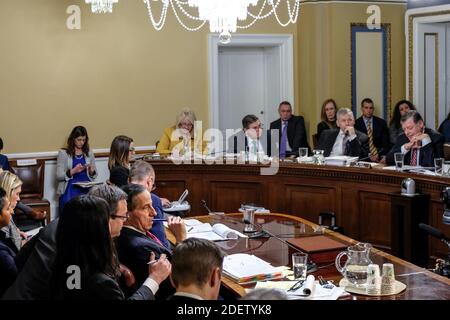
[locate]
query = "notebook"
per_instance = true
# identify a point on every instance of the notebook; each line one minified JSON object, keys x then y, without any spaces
{"x":245,"y":268}
{"x":320,"y":248}
{"x":217,"y":232}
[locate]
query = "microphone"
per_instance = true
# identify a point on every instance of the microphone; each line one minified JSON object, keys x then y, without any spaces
{"x":311,"y":267}
{"x":206,"y":207}
{"x":435,"y":233}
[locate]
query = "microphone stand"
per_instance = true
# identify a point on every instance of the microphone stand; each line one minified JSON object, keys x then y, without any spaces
{"x":442,"y":266}
{"x":311,"y":267}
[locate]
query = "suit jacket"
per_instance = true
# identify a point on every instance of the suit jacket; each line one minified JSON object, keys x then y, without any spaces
{"x":322,"y":126}
{"x":380,"y":133}
{"x":435,"y":149}
{"x":4,"y":163}
{"x":296,"y":133}
{"x":34,"y":278}
{"x":239,"y":143}
{"x":102,"y":287}
{"x":359,"y":147}
{"x":134,"y":250}
{"x":118,"y":176}
{"x":8,"y":270}
{"x":158,"y":226}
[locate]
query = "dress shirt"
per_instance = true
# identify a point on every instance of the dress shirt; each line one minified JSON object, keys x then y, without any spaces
{"x":338,"y":144}
{"x":368,"y":121}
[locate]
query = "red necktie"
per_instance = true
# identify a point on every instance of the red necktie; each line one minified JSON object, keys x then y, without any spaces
{"x":413,"y":157}
{"x":151,"y":235}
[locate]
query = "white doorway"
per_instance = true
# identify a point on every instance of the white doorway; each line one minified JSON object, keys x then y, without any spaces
{"x":250,"y":75}
{"x":428,"y":62}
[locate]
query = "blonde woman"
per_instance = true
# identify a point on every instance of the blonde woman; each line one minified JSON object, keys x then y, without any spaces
{"x":12,"y":186}
{"x":181,"y":133}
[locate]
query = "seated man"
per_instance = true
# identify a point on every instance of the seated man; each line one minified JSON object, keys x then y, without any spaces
{"x":143,"y":173}
{"x":136,"y":244}
{"x":250,"y":138}
{"x":344,"y":140}
{"x":419,"y":145}
{"x":375,"y":128}
{"x":196,"y":270}
{"x":292,"y":132}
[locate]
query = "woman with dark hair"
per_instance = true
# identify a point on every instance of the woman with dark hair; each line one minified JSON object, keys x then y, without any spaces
{"x":444,"y":128}
{"x":76,"y":163}
{"x":328,"y":116}
{"x":120,"y":155}
{"x":8,"y":269}
{"x":83,"y":240}
{"x":395,"y":127}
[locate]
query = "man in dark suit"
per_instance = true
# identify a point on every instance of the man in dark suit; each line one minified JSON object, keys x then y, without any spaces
{"x":136,"y":244}
{"x":344,"y":140}
{"x":196,"y":270}
{"x":375,"y":128}
{"x":292,"y":132}
{"x":419,"y":145}
{"x":33,"y":282}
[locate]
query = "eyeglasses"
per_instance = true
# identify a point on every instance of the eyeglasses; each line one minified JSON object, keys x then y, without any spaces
{"x":125,"y":217}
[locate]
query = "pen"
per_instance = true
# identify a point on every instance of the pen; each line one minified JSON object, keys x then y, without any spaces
{"x":152,"y":262}
{"x":159,"y":219}
{"x":190,"y":229}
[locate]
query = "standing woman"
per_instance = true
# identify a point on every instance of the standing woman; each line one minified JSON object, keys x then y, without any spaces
{"x":120,"y":155}
{"x":328,"y":115}
{"x":395,"y":127}
{"x":76,"y":163}
{"x":10,"y":233}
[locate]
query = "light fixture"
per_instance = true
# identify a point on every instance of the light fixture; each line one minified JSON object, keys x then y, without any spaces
{"x":222,"y":15}
{"x":101,"y":6}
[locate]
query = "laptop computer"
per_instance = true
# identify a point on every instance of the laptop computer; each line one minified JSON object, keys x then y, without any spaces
{"x":180,"y":204}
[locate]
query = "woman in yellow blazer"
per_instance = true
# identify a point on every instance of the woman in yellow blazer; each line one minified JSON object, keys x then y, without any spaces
{"x":178,"y":138}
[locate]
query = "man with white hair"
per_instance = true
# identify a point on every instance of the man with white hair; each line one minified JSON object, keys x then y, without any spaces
{"x":344,"y":140}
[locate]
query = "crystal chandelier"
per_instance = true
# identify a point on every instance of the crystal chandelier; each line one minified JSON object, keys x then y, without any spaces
{"x":101,"y":6}
{"x":222,"y":15}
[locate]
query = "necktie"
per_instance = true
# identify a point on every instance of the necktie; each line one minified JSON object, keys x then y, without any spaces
{"x":151,"y":235}
{"x":345,"y":146}
{"x":372,"y":148}
{"x":255,"y":146}
{"x":283,"y":141}
{"x":413,"y":157}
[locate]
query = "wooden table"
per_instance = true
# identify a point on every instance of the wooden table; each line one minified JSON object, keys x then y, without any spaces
{"x":360,"y":197}
{"x":421,"y":284}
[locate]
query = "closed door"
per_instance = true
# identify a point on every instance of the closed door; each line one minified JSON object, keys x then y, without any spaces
{"x":249,"y":83}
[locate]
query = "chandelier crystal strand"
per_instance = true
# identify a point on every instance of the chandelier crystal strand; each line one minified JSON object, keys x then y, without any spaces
{"x":101,"y":6}
{"x":255,"y":18}
{"x":182,"y":23}
{"x":158,"y":25}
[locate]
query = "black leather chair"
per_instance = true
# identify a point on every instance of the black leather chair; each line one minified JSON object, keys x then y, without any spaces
{"x":31,"y":172}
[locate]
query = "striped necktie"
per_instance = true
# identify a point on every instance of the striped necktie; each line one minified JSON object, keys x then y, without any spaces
{"x":413,"y":157}
{"x":372,"y":148}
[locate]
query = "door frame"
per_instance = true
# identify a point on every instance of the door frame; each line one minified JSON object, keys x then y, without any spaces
{"x":283,"y":41}
{"x":413,"y":18}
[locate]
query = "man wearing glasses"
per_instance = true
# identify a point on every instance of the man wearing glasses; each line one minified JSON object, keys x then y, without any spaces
{"x":136,"y":244}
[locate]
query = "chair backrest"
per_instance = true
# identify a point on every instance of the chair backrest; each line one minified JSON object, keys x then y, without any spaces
{"x":447,"y":151}
{"x":31,"y":172}
{"x":315,"y":140}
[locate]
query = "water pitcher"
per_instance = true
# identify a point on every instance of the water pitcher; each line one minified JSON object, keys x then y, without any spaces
{"x":355,"y":268}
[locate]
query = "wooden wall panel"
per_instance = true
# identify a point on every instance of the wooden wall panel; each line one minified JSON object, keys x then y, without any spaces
{"x":308,"y":201}
{"x":374,"y":219}
{"x":228,"y":196}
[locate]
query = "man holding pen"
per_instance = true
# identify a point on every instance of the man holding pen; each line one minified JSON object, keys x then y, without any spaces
{"x":136,"y":243}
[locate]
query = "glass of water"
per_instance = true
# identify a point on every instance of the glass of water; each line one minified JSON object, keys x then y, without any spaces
{"x":398,"y":157}
{"x":302,"y":152}
{"x":318,"y":156}
{"x":438,"y":162}
{"x":299,"y":265}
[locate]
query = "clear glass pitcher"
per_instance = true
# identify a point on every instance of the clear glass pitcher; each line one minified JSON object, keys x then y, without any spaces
{"x":318,"y":156}
{"x":355,"y":268}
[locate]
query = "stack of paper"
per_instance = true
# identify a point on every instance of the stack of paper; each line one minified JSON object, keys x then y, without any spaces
{"x":246,"y":268}
{"x":340,"y":160}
